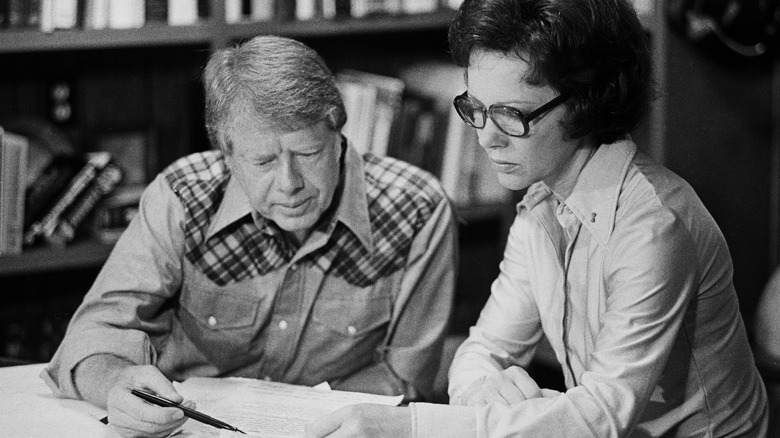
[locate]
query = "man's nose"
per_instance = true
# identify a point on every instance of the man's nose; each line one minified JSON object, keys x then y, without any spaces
{"x":290,"y":178}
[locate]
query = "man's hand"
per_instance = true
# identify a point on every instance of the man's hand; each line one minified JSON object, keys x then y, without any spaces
{"x":364,"y":420}
{"x":507,"y":387}
{"x":131,"y":416}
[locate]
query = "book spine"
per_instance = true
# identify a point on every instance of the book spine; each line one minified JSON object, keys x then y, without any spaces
{"x":262,"y":10}
{"x":104,"y":183}
{"x":233,"y":11}
{"x":157,"y":11}
{"x":126,"y":14}
{"x":182,"y":12}
{"x":13,"y":168}
{"x":46,"y":226}
{"x":3,"y":14}
{"x":16,"y":18}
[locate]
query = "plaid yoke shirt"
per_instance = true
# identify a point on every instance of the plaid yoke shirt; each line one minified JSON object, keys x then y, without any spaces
{"x":201,"y":285}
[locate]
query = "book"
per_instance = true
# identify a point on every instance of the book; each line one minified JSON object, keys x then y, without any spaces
{"x":373,"y":104}
{"x":13,"y":168}
{"x":105,"y":182}
{"x":156,"y":11}
{"x":463,"y":167}
{"x":114,"y":213}
{"x":16,"y":14}
{"x":127,"y":14}
{"x":364,"y":8}
{"x":306,"y":9}
{"x":233,"y":11}
{"x":414,"y":132}
{"x":33,"y":14}
{"x":183,"y":12}
{"x":285,"y":10}
{"x":419,"y":6}
{"x":44,"y":227}
{"x":3,"y":14}
{"x":65,"y":14}
{"x":261,"y":10}
{"x":44,"y":189}
{"x":96,"y":14}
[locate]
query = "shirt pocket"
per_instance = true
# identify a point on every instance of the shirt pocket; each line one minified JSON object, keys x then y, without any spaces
{"x":223,"y":322}
{"x":347,"y":328}
{"x":352,"y":317}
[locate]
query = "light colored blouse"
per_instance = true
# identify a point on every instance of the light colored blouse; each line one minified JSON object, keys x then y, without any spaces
{"x":630,"y":280}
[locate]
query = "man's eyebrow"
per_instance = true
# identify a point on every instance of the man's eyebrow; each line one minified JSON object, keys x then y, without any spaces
{"x":261,"y":157}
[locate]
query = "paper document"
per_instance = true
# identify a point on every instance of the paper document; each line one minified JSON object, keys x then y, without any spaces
{"x":264,"y":409}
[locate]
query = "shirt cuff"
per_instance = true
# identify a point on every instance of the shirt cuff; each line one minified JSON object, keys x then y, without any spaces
{"x":446,"y":421}
{"x":132,"y":345}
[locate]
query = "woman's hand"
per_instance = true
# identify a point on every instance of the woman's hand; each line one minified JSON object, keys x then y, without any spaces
{"x":507,"y":387}
{"x":364,"y":420}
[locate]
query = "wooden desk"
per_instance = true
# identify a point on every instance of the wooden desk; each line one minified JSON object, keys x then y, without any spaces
{"x":29,"y":410}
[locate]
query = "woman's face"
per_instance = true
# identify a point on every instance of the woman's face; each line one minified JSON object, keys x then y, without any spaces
{"x":543,"y":154}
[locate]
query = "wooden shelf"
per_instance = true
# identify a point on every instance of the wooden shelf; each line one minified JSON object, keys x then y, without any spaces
{"x":82,"y":254}
{"x":329,"y":28}
{"x":13,"y":41}
{"x":213,"y":33}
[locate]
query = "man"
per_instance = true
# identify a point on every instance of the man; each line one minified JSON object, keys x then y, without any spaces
{"x":285,"y":255}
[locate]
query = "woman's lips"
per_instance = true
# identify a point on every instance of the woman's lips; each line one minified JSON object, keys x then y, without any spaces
{"x":503,"y":166}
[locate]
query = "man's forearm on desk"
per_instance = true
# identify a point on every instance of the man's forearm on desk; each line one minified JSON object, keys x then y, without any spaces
{"x":96,"y":374}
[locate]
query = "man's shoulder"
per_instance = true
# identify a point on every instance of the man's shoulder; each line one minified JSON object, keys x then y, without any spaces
{"x":200,"y":167}
{"x":386,"y":176}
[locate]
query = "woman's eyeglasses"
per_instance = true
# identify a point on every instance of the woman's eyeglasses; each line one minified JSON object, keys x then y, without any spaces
{"x":511,"y":121}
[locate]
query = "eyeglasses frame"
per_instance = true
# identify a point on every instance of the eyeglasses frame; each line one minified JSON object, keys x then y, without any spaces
{"x":525,"y":119}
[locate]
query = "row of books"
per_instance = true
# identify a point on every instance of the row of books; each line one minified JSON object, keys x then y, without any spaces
{"x":68,"y":194}
{"x":413,"y":120}
{"x":49,"y":15}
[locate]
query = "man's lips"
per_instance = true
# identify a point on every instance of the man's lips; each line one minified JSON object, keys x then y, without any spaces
{"x":295,"y":204}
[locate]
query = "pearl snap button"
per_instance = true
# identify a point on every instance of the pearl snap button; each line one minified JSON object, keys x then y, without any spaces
{"x":351,"y":330}
{"x":212,"y":321}
{"x":283,"y":325}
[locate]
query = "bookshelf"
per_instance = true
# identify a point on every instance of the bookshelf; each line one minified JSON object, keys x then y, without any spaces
{"x":149,"y":78}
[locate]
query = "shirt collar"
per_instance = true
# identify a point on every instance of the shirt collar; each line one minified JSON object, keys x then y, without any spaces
{"x":352,"y":210}
{"x":353,"y":206}
{"x":234,"y":206}
{"x":595,"y":195}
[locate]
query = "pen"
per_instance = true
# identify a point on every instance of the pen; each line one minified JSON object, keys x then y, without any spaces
{"x":190,"y":413}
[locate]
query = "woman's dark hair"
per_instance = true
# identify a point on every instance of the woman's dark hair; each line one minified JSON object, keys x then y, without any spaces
{"x":595,"y":51}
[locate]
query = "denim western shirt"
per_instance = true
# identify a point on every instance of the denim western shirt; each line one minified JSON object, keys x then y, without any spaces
{"x":200,"y":285}
{"x":630,"y":280}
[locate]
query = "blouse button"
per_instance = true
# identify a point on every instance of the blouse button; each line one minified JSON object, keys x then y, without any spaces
{"x":283,"y":325}
{"x":351,"y":330}
{"x":212,"y":321}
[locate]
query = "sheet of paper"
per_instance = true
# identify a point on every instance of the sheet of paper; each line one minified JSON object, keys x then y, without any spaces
{"x":265,"y":409}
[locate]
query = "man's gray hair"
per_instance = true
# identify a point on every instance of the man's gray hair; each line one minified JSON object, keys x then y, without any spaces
{"x":285,"y":84}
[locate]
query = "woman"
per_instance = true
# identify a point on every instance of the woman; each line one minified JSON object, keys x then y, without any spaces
{"x":611,"y":257}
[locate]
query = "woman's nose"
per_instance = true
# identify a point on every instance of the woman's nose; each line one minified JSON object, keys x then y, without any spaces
{"x":490,"y":136}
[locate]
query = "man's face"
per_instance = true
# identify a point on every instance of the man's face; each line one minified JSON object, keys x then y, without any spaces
{"x":289,"y":178}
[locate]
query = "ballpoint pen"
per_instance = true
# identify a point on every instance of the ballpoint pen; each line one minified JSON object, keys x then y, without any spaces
{"x":190,"y":413}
